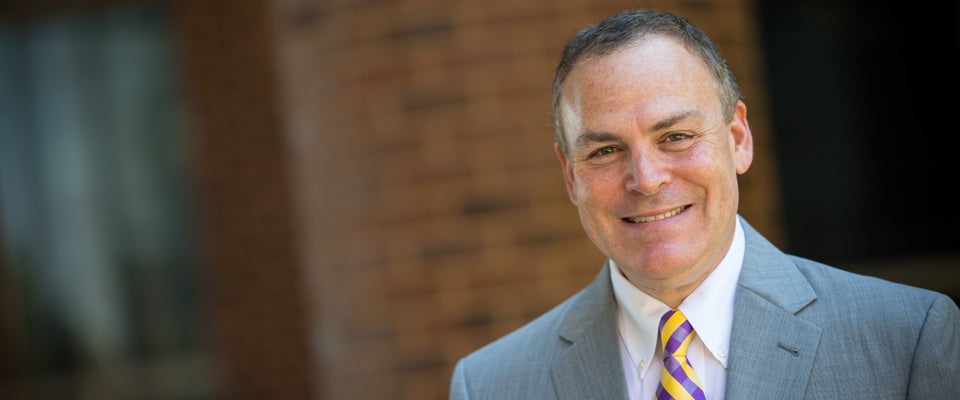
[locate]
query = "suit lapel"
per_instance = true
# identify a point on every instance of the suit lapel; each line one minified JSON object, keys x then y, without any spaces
{"x":590,"y":367}
{"x":771,"y":348}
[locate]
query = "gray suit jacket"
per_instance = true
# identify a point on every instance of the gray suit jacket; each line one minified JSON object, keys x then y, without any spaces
{"x":801,"y":330}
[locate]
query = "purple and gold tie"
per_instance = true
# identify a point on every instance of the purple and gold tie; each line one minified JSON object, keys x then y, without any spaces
{"x":677,"y":381}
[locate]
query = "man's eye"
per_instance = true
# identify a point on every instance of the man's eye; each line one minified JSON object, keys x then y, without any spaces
{"x":676,"y":137}
{"x":603,"y":151}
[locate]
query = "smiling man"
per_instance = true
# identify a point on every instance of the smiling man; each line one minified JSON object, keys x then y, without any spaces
{"x":651,"y":134}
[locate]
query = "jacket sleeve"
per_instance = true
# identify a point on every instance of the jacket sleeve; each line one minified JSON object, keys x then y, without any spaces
{"x":458,"y":384}
{"x":936,"y":361}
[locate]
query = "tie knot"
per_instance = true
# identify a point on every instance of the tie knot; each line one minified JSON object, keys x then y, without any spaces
{"x":675,"y":334}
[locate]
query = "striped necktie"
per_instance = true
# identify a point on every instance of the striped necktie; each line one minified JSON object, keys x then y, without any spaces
{"x":677,"y":381}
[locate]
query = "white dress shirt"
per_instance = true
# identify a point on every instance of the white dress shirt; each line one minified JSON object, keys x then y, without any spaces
{"x":709,"y":308}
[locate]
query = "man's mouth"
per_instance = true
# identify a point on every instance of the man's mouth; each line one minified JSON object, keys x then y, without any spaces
{"x":658,"y":217}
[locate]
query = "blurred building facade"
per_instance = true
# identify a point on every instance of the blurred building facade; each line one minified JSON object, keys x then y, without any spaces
{"x":361,"y":192}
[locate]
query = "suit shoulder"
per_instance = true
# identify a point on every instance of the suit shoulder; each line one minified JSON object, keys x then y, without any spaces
{"x":836,"y":286}
{"x":528,"y":338}
{"x":516,"y":361}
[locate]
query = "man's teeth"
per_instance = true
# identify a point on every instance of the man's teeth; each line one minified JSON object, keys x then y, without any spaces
{"x":667,"y":214}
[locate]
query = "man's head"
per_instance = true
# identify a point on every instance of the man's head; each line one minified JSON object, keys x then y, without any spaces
{"x":652,"y":136}
{"x":624,"y":28}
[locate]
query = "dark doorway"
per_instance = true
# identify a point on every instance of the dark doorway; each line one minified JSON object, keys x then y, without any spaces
{"x":864,"y":101}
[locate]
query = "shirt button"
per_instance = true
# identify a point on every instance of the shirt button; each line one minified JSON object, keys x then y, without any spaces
{"x":642,"y":364}
{"x":722,"y":354}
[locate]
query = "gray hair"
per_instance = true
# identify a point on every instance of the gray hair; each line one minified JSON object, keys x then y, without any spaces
{"x":629,"y":26}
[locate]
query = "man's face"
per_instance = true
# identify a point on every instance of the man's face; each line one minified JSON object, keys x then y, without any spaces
{"x":652,"y":164}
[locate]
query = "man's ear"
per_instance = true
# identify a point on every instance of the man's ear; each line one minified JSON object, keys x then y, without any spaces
{"x":742,"y":139}
{"x":567,"y":171}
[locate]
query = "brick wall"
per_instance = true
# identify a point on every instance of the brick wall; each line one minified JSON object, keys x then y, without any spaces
{"x":256,"y":297}
{"x":380,"y":191}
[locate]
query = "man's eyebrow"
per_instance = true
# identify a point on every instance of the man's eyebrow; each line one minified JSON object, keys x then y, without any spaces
{"x":673,"y":119}
{"x":594,"y":137}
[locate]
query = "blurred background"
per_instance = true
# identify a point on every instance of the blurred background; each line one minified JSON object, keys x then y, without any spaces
{"x":300,"y":199}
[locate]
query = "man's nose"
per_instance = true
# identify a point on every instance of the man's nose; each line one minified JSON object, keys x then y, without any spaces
{"x":648,"y":173}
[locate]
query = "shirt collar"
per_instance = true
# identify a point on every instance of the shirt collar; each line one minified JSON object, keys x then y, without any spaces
{"x":709,"y":308}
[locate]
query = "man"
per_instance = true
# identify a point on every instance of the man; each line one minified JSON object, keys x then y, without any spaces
{"x":651,"y":133}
